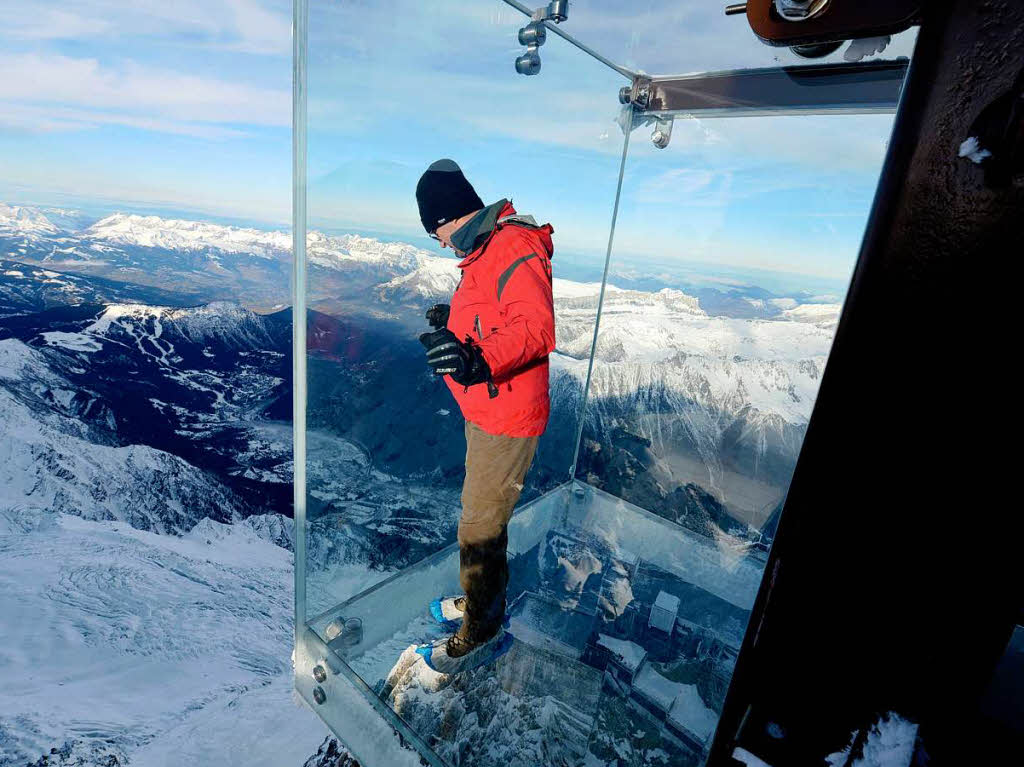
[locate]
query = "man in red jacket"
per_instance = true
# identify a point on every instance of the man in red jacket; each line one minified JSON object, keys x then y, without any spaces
{"x":491,"y":346}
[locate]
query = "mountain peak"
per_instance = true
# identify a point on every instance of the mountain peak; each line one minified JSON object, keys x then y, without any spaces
{"x":25,"y":220}
{"x":179,"y":234}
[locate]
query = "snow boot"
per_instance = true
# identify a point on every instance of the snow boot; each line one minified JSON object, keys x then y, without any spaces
{"x":456,"y":654}
{"x":448,"y":611}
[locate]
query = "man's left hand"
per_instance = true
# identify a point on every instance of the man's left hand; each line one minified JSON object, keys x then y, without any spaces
{"x":447,"y":355}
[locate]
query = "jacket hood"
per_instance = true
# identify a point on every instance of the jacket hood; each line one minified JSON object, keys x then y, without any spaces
{"x":481,"y":228}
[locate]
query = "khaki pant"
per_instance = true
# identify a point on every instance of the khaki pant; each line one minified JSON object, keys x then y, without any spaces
{"x":495,"y":469}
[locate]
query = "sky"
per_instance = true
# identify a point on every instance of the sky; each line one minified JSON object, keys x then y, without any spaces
{"x":185,"y":107}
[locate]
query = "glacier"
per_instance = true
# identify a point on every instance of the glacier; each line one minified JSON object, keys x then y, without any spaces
{"x":170,"y":650}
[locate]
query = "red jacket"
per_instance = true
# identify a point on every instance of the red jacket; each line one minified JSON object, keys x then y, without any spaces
{"x":503,"y":304}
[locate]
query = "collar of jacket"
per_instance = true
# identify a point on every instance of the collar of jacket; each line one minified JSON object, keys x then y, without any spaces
{"x":481,"y":228}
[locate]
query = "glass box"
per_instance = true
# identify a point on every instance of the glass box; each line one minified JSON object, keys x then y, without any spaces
{"x":706,"y":227}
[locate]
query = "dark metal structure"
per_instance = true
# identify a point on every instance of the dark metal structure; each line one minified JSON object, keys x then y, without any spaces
{"x":895,"y":581}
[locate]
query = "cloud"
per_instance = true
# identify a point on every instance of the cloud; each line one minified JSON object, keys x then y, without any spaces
{"x":48,"y":23}
{"x":67,"y":91}
{"x":248,"y":26}
{"x":57,"y":119}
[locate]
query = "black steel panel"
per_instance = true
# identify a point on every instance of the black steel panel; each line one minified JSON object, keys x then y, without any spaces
{"x":895,"y":580}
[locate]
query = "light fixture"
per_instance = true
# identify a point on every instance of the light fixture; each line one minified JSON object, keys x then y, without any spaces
{"x":534,"y":34}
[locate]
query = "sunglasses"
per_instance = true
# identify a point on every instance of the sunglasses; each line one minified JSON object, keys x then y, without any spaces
{"x":433,"y":236}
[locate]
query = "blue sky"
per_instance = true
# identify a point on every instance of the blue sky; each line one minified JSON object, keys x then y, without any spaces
{"x":185,"y":106}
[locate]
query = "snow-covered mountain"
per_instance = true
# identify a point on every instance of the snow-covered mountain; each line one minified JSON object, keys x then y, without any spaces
{"x":728,"y":394}
{"x":433,"y":278}
{"x":53,"y":456}
{"x":123,"y":415}
{"x":202,"y":260}
{"x":125,"y":431}
{"x":25,"y":220}
{"x":177,"y":234}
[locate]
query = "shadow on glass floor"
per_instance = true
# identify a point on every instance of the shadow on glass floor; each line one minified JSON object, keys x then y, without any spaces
{"x":627,"y":628}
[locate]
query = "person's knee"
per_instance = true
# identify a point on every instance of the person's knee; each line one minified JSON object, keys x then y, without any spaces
{"x":481,"y":523}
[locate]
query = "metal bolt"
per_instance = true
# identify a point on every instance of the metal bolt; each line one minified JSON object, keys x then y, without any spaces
{"x":319,"y":695}
{"x":334,"y":629}
{"x":319,"y":673}
{"x":662,"y":132}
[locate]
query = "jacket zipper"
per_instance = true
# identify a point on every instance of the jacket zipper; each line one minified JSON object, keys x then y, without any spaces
{"x":492,"y":389}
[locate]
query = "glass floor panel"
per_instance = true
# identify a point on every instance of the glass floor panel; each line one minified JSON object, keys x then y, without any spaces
{"x":626,"y":631}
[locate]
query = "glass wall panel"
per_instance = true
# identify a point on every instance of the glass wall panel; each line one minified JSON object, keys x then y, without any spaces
{"x":734,"y":246}
{"x":392,"y":88}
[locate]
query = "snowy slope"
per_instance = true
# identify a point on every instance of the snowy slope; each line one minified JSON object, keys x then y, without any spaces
{"x":53,"y":458}
{"x":168,"y":650}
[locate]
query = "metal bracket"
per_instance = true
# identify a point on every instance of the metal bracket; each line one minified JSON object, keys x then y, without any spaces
{"x":638,"y":94}
{"x":853,"y":88}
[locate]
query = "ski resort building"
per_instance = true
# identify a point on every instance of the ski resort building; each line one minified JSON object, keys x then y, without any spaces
{"x":664,"y":612}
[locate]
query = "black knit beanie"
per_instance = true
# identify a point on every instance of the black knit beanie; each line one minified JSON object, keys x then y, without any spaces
{"x":444,"y":195}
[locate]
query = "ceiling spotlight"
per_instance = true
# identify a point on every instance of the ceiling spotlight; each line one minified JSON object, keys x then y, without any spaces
{"x":558,"y":10}
{"x":529,"y":62}
{"x":534,"y":34}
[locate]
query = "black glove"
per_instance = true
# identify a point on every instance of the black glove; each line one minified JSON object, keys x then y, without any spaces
{"x":447,"y":355}
{"x":437,"y":315}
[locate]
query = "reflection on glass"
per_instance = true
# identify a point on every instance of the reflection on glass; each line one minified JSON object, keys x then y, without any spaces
{"x":733,"y":249}
{"x":631,"y":580}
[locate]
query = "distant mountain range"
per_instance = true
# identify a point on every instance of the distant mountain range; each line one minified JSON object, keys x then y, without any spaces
{"x":686,"y":400}
{"x":145,"y":387}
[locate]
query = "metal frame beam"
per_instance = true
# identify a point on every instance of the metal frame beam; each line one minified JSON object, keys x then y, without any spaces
{"x":854,"y":88}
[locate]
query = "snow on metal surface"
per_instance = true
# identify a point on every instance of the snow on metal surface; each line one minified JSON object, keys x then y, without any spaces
{"x":971,"y":149}
{"x":890,"y":743}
